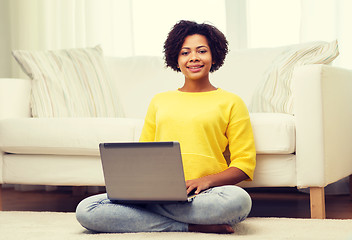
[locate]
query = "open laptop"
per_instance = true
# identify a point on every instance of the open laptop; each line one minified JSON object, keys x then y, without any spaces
{"x":143,"y":172}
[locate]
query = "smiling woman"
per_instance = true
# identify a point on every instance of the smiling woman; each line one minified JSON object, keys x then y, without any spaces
{"x":183,"y":116}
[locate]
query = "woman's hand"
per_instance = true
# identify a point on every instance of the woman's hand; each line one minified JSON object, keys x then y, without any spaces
{"x":197,"y":185}
{"x":230,"y":176}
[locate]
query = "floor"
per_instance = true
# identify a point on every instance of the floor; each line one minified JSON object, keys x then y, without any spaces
{"x":271,"y":202}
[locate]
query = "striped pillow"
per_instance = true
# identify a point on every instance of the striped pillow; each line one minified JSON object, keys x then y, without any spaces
{"x":274,"y":93}
{"x":69,"y":83}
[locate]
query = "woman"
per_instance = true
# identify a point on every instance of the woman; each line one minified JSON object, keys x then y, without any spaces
{"x":205,"y":120}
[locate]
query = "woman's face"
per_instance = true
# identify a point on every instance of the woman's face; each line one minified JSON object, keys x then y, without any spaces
{"x":195,"y":59}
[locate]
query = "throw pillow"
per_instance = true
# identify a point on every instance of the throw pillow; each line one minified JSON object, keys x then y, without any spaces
{"x":274,"y":93}
{"x":69,"y":83}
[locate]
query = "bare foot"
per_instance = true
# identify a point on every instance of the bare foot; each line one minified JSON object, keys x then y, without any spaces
{"x":216,"y":228}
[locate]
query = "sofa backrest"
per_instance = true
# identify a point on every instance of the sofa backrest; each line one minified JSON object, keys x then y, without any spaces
{"x":244,"y":69}
{"x":137,"y":79}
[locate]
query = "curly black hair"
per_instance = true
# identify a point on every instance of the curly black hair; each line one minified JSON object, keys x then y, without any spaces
{"x":216,"y":41}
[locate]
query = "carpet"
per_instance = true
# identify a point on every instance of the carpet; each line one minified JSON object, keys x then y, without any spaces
{"x":53,"y":225}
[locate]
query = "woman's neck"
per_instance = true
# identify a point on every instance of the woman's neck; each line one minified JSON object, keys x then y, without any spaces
{"x":192,"y":86}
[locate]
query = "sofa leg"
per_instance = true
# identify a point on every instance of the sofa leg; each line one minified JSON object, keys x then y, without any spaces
{"x":317,"y":203}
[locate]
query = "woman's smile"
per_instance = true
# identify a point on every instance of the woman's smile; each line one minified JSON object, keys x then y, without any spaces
{"x":195,"y":68}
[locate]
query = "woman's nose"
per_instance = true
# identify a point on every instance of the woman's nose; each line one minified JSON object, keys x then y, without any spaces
{"x":194,"y":57}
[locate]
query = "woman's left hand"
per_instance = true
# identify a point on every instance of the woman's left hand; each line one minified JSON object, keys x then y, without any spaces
{"x":197,"y":185}
{"x":230,"y":176}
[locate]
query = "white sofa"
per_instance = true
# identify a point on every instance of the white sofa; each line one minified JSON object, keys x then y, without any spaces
{"x":307,"y":149}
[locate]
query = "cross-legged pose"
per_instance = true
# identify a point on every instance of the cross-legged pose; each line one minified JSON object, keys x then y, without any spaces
{"x":205,"y":120}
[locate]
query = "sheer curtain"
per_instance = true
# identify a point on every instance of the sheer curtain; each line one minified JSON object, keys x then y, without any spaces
{"x":58,"y":24}
{"x":123,"y":27}
{"x":272,"y":23}
{"x":139,"y":27}
{"x":329,"y":20}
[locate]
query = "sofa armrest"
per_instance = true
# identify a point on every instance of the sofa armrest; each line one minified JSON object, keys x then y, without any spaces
{"x":322,"y":98}
{"x":15,"y":98}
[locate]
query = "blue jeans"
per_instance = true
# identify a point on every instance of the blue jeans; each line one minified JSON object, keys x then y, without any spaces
{"x":219,"y":205}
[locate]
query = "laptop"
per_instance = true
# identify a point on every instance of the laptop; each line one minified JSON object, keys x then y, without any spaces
{"x":143,"y":172}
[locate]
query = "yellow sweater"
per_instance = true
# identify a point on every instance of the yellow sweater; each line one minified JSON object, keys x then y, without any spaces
{"x":204,"y":123}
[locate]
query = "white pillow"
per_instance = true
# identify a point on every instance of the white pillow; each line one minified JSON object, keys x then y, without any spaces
{"x":274,"y":93}
{"x":69,"y":83}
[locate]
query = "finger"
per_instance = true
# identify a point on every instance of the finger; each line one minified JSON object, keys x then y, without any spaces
{"x":201,"y":188}
{"x":190,"y":183}
{"x":190,"y":189}
{"x":198,"y":190}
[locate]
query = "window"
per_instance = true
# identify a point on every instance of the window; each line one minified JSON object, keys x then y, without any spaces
{"x":153,"y":19}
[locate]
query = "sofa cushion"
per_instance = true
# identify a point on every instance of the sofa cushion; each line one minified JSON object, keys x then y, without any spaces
{"x":275,"y":92}
{"x":273,"y":133}
{"x":69,"y":83}
{"x":65,"y":136}
{"x":273,"y":171}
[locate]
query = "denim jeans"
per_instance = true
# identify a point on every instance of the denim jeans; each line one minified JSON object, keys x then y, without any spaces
{"x":219,"y":205}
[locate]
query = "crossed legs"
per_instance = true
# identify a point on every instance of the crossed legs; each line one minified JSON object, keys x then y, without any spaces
{"x":214,"y":210}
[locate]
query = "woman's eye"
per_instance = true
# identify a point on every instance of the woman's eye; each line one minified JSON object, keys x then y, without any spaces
{"x":202,"y":51}
{"x":184,"y":53}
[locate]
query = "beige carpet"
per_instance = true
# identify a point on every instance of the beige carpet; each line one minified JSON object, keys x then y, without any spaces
{"x":50,"y":225}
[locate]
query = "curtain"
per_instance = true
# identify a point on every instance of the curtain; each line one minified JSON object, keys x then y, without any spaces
{"x":58,"y":24}
{"x":272,"y":23}
{"x":121,"y":27}
{"x":328,"y":20}
{"x":138,"y":27}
